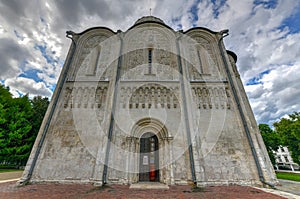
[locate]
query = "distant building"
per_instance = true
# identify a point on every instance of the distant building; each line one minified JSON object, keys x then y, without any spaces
{"x":284,"y":160}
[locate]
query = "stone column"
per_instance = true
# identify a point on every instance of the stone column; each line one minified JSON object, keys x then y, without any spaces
{"x":135,"y":161}
{"x":129,"y":140}
{"x":163,"y":157}
{"x":170,"y":175}
{"x":130,"y":159}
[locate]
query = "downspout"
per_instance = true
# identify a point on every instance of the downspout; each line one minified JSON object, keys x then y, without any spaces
{"x":190,"y":147}
{"x":225,"y":33}
{"x":112,"y":119}
{"x":70,"y":34}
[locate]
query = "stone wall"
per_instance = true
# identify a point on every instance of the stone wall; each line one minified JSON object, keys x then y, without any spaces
{"x":118,"y":86}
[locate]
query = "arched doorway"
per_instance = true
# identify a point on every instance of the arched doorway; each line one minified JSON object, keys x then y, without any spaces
{"x":149,"y":158}
{"x":139,"y":144}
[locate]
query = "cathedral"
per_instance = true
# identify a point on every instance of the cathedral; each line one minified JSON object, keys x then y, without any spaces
{"x":150,"y":104}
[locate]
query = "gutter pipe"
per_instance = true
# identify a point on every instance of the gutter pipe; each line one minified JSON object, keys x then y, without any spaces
{"x":188,"y":131}
{"x":225,"y":33}
{"x":112,"y":119}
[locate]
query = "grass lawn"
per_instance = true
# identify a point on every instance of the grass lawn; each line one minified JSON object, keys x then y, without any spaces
{"x":288,"y":176}
{"x":9,"y":170}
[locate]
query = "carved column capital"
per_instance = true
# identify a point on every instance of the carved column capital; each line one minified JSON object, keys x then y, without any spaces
{"x":132,"y":138}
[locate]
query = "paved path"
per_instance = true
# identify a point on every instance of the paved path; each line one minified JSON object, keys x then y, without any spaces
{"x":10,"y":175}
{"x":289,"y":186}
{"x":11,"y":191}
{"x":8,"y":189}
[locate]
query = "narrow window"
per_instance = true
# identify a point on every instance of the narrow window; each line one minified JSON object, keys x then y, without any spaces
{"x":201,"y":64}
{"x":150,"y":61}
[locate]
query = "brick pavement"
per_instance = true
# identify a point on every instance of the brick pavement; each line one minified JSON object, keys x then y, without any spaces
{"x":9,"y":190}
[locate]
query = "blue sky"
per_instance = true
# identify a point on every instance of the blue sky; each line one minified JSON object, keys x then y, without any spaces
{"x":264,"y":34}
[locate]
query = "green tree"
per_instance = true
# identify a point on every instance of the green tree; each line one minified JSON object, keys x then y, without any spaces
{"x":271,"y":140}
{"x":289,"y":131}
{"x":5,"y":104}
{"x":20,"y":120}
{"x":39,"y":108}
{"x":18,"y":126}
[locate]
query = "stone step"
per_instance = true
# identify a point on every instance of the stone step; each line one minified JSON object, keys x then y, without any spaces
{"x":149,"y":185}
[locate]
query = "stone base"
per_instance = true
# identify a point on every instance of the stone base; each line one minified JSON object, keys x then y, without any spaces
{"x":149,"y":185}
{"x":228,"y":183}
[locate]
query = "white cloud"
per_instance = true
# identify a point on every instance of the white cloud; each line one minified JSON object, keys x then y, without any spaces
{"x":277,"y":95}
{"x":27,"y":86}
{"x":261,"y":44}
{"x":256,"y":36}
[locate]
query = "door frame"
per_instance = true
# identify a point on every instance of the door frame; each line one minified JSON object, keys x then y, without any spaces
{"x":165,"y":146}
{"x":149,"y":159}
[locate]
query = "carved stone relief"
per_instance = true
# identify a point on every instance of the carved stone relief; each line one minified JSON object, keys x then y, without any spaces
{"x":210,"y":97}
{"x":133,"y":59}
{"x":163,"y":66}
{"x":163,"y":61}
{"x":149,"y":96}
{"x":94,"y":58}
{"x":202,"y":59}
{"x":85,"y":97}
{"x":209,"y":49}
{"x":144,"y":38}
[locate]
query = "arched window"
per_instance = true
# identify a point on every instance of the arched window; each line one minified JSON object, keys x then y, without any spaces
{"x":203,"y":56}
{"x":94,"y":59}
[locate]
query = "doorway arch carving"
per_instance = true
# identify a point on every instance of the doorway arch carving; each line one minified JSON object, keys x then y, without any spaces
{"x":164,"y":167}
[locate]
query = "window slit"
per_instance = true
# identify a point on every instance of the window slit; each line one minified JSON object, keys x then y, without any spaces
{"x":150,"y":61}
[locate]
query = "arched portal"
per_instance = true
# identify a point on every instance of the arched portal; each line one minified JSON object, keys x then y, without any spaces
{"x":150,"y":164}
{"x":149,"y":158}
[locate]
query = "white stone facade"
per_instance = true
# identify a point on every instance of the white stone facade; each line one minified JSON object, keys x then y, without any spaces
{"x":182,"y":88}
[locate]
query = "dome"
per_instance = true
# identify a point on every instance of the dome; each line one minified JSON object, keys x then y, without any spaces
{"x":149,"y":19}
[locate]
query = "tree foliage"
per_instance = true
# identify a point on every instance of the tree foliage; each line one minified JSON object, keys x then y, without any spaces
{"x":271,"y":139}
{"x":39,"y":108}
{"x":289,"y":131}
{"x":20,"y":119}
{"x":286,"y":133}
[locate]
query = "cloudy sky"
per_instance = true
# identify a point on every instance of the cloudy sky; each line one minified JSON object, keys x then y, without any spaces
{"x":265,"y":34}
